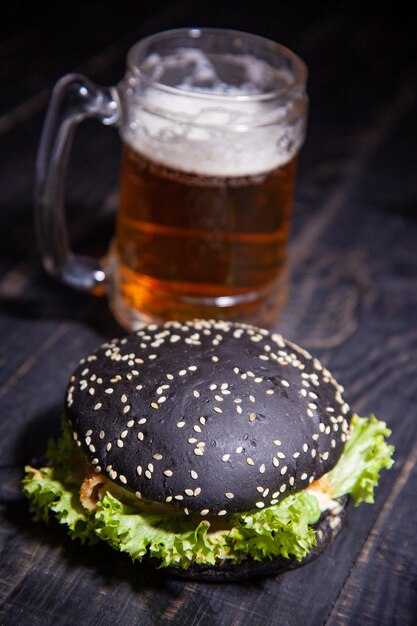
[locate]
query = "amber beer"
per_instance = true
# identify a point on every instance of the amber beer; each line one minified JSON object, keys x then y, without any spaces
{"x":211,"y":121}
{"x":195,"y":245}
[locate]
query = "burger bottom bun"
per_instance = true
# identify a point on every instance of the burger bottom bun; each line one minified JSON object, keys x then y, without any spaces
{"x":328,"y":526}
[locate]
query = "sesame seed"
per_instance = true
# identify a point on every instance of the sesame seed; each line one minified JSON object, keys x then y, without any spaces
{"x":275,"y":462}
{"x":142,"y":420}
{"x":180,"y":424}
{"x":189,"y":492}
{"x":197,"y":491}
{"x":262,"y":468}
{"x":280,"y":455}
{"x":141,"y":436}
{"x":252,"y":417}
{"x":250,"y":461}
{"x":239,"y":449}
{"x":260,"y":505}
{"x":157,"y":457}
{"x":124,"y":434}
{"x":97,"y":406}
{"x":109,"y":390}
{"x":225,"y":457}
{"x":193,"y":474}
{"x":120,"y":443}
{"x":123,"y":479}
{"x":124,"y":398}
{"x":283,"y":470}
{"x":229,"y":495}
{"x":239,"y":409}
{"x":139,"y":470}
{"x":154,"y":405}
{"x":303,"y":476}
{"x":198,"y":451}
{"x":222,"y":512}
{"x":204,"y":512}
{"x":196,"y":394}
{"x":179,"y":497}
{"x":168,"y":472}
{"x":277,"y":442}
{"x":217,"y":409}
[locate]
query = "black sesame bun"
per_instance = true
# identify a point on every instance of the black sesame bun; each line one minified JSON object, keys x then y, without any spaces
{"x":210,"y":417}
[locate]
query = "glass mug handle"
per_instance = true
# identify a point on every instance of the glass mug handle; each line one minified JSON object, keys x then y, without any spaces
{"x":74,"y":99}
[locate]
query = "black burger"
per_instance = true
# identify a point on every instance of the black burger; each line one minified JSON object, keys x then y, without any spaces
{"x":212,"y":449}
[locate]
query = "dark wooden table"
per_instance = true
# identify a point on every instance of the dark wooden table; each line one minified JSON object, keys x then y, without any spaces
{"x":352,"y":302}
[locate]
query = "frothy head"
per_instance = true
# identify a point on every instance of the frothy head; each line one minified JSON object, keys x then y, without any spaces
{"x":213,"y":114}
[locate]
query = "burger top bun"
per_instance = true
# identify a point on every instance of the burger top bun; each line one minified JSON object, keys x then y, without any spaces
{"x":212,"y":417}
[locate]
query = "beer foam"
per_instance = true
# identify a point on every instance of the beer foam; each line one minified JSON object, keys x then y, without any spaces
{"x":200,"y":124}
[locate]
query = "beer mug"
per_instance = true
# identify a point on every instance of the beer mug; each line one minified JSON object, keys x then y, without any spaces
{"x":211,"y":123}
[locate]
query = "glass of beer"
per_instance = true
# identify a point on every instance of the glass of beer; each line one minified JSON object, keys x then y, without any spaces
{"x":211,"y":122}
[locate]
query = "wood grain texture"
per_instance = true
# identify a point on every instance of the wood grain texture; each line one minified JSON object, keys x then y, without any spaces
{"x":352,"y":301}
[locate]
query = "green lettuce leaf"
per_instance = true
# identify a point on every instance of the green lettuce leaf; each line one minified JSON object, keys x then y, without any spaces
{"x":284,"y":529}
{"x":48,"y":494}
{"x":365,"y":454}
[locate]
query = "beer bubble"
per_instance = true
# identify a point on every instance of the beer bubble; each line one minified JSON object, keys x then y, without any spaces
{"x":202,"y":115}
